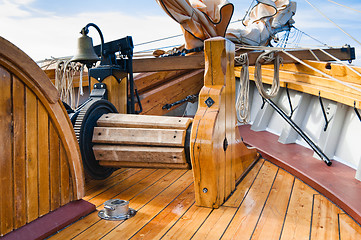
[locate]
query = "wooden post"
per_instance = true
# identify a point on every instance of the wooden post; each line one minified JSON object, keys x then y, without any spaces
{"x":218,"y":157}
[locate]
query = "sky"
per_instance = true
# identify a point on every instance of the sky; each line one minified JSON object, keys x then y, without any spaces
{"x":47,"y":28}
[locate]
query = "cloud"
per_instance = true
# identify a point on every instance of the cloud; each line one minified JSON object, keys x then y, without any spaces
{"x":44,"y":35}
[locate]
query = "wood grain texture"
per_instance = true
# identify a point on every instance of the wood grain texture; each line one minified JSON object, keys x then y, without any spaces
{"x":215,"y":224}
{"x":246,"y":218}
{"x":140,"y":154}
{"x":159,"y":225}
{"x":337,"y":183}
{"x":324,"y":219}
{"x":197,"y":61}
{"x":243,"y":187}
{"x":44,"y":161}
{"x":143,"y":121}
{"x":213,"y":137}
{"x":150,"y":80}
{"x":117,"y":91}
{"x":298,"y":220}
{"x":270,"y":223}
{"x":177,"y":89}
{"x":149,"y":211}
{"x":54,"y":153}
{"x":139,"y":136}
{"x":19,"y":161}
{"x":349,"y":229}
{"x":28,"y":103}
{"x":6,"y":163}
{"x":32,"y":159}
{"x":137,"y":203}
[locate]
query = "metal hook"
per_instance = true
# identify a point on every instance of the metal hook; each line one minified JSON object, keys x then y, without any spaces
{"x":356,"y":111}
{"x":323,"y":112}
{"x":289,"y":101}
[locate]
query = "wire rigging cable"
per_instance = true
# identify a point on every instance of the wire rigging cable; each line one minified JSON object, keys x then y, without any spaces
{"x":318,"y":10}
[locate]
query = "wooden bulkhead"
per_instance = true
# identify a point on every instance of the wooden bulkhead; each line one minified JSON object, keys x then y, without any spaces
{"x":40,"y":163}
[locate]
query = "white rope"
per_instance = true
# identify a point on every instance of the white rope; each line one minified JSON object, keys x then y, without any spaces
{"x":338,"y":60}
{"x":268,"y":57}
{"x":333,"y":22}
{"x":242,"y":103}
{"x":320,"y":72}
{"x":353,"y":9}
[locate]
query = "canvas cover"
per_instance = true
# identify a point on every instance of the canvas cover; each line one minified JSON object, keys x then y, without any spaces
{"x":203,"y":19}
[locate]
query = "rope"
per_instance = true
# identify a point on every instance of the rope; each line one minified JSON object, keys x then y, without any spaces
{"x":320,"y":72}
{"x":268,"y":57}
{"x":345,"y":6}
{"x":333,"y":22}
{"x":242,"y":103}
{"x":338,"y":60}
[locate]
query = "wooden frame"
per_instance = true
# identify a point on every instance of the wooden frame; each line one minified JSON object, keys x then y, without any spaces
{"x":41,"y":167}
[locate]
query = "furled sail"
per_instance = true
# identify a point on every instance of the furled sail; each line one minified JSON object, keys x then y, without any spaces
{"x":203,"y":19}
{"x":265,"y":19}
{"x":199,"y":19}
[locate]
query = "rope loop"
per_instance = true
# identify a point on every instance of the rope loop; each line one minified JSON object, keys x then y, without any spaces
{"x":265,"y":58}
{"x":242,"y":103}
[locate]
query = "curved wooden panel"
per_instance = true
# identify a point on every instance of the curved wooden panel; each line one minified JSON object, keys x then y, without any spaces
{"x":40,"y":162}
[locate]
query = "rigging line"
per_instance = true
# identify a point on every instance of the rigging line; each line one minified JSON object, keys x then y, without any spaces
{"x":250,"y":6}
{"x":338,"y":60}
{"x":344,"y":6}
{"x":333,"y":22}
{"x":310,"y":36}
{"x":320,"y":72}
{"x":158,"y":40}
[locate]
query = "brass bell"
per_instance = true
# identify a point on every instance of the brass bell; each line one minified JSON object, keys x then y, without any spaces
{"x":85,"y":52}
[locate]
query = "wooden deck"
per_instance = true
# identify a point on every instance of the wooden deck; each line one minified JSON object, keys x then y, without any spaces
{"x":268,"y":204}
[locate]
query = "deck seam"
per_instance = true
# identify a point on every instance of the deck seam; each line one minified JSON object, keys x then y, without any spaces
{"x":242,"y":200}
{"x":288,"y":205}
{"x":117,"y":195}
{"x":112,"y":177}
{"x":161,"y":211}
{"x":313,"y":205}
{"x":149,"y":200}
{"x":264,"y":204}
{"x":120,"y":183}
{"x":177,"y":220}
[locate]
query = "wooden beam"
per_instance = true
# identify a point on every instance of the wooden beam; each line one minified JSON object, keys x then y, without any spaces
{"x":197,"y":61}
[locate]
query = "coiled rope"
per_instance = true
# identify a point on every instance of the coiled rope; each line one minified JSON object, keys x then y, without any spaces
{"x":242,"y":103}
{"x":268,"y":57}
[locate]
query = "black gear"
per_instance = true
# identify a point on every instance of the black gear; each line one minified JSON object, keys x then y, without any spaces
{"x":85,"y":122}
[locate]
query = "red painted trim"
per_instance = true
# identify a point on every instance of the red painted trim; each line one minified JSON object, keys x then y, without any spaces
{"x":337,"y":182}
{"x":52,"y":222}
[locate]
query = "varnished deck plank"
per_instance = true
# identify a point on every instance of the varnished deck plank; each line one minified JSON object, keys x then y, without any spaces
{"x":324,"y":219}
{"x":298,"y":220}
{"x":245,"y":220}
{"x":159,"y":225}
{"x":102,"y":227}
{"x":349,"y":229}
{"x":271,"y":221}
{"x":269,"y":203}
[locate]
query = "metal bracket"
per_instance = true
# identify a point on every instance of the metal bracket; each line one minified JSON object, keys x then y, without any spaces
{"x":323,"y":112}
{"x":190,"y":98}
{"x":263,"y":103}
{"x":289,"y":101}
{"x":356,"y":111}
{"x":209,"y":102}
{"x":314,"y":147}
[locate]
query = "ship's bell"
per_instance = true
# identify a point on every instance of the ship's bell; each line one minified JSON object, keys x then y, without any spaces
{"x":85,"y":51}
